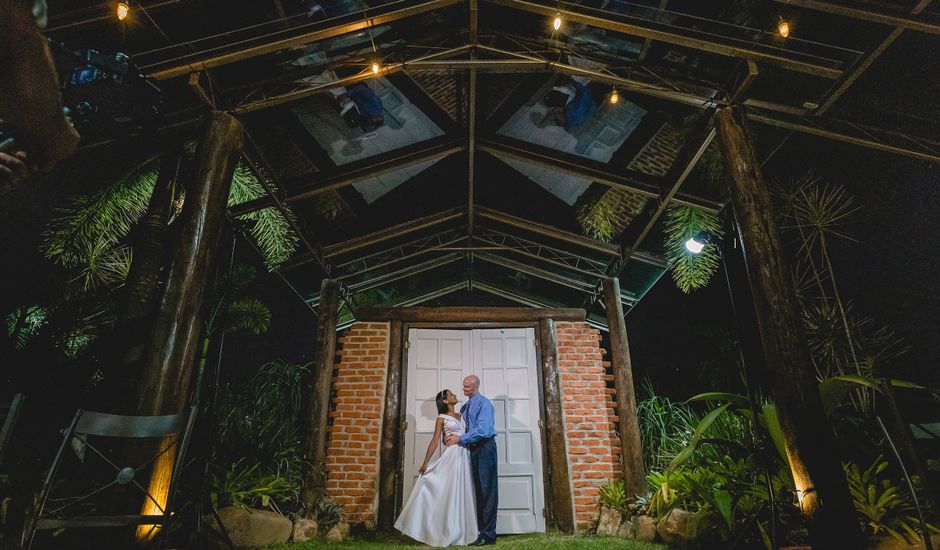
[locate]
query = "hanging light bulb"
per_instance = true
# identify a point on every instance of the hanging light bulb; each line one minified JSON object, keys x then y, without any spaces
{"x":614,"y":97}
{"x":783,"y":27}
{"x":123,"y":9}
{"x":556,"y":23}
{"x":376,"y":67}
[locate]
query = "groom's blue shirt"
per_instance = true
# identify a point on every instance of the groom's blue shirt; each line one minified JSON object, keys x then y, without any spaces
{"x":478,"y":415}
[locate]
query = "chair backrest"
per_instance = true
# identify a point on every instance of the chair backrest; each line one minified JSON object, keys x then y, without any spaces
{"x":89,"y":435}
{"x":9,"y":414}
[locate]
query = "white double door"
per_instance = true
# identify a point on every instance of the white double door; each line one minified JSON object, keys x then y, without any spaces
{"x":505,"y":361}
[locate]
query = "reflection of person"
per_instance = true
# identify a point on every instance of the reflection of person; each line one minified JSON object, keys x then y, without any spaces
{"x":480,"y":438}
{"x":440,"y":510}
{"x":360,"y":106}
{"x":30,"y":102}
{"x":570,"y":102}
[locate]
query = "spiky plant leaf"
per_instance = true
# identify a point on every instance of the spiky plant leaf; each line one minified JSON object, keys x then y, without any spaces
{"x":249,"y":314}
{"x":90,"y":225}
{"x":820,"y":207}
{"x":271,"y":230}
{"x":24,"y":323}
{"x":691,"y":271}
{"x":598,"y":218}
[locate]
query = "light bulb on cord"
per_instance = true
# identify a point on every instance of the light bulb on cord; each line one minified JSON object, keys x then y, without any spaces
{"x":123,"y":9}
{"x":614,"y":97}
{"x":556,"y":23}
{"x":783,"y":27}
{"x":376,"y":67}
{"x":693,"y":246}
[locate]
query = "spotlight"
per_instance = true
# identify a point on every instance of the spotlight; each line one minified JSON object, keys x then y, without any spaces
{"x":614,"y":97}
{"x":123,"y":9}
{"x":783,"y":27}
{"x":376,"y":67}
{"x":696,"y":244}
{"x":556,"y":23}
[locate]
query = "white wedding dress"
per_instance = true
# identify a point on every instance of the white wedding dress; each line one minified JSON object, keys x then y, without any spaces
{"x":441,"y":510}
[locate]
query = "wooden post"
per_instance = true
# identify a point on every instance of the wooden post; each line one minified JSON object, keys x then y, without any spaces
{"x":562,"y":504}
{"x":634,"y":478}
{"x":810,"y":442}
{"x":317,"y":409}
{"x":171,"y":351}
{"x":391,"y":426}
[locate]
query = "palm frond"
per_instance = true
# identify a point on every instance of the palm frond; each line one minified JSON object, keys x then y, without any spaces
{"x":249,"y":314}
{"x":90,"y":225}
{"x":271,"y":230}
{"x":820,"y":206}
{"x":691,"y":271}
{"x":24,"y":323}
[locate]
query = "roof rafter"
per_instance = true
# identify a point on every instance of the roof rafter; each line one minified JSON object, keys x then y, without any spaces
{"x":399,"y":230}
{"x":690,"y":38}
{"x":432,"y":149}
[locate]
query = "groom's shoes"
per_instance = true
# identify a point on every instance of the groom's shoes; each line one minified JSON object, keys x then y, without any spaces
{"x":482,"y":542}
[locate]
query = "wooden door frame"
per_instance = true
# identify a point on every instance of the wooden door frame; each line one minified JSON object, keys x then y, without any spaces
{"x":556,"y":477}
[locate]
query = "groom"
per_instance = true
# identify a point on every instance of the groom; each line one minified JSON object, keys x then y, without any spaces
{"x":479,"y":437}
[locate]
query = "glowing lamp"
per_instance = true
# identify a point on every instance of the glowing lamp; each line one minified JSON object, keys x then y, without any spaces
{"x":376,"y":67}
{"x":122,"y":10}
{"x":614,"y":97}
{"x":556,"y":23}
{"x":783,"y":27}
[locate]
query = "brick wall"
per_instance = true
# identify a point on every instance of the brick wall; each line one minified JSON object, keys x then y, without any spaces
{"x":588,"y":410}
{"x":358,"y":403}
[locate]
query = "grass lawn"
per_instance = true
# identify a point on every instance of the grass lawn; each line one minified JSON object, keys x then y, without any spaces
{"x":534,"y":541}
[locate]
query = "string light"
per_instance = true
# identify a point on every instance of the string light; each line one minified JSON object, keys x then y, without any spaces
{"x":376,"y":67}
{"x":614,"y":97}
{"x":783,"y":27}
{"x":123,"y":9}
{"x":556,"y":23}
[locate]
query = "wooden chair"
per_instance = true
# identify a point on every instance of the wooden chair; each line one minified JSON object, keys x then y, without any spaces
{"x":89,"y":435}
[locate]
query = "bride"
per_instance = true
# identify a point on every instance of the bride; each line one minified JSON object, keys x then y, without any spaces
{"x":441,"y":509}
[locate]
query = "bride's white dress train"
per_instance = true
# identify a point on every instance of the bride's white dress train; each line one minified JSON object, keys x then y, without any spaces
{"x":441,"y":510}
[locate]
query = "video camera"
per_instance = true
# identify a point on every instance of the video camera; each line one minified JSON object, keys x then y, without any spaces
{"x":106,"y":95}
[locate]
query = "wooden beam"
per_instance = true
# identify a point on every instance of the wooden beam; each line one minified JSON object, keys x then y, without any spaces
{"x":549,"y":231}
{"x":631,"y":447}
{"x":525,"y":267}
{"x":317,"y":399}
{"x":855,"y":12}
{"x":278,"y":41}
{"x":392,"y":232}
{"x":809,"y":440}
{"x":627,"y":180}
{"x":377,"y":165}
{"x":560,"y":477}
{"x":468,"y":313}
{"x":171,"y":351}
{"x":690,"y":38}
{"x":391,"y":429}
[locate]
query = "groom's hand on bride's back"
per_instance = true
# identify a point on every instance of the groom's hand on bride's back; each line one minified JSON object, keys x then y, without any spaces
{"x":451,"y":439}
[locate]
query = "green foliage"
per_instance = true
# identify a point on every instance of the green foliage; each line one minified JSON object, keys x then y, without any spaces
{"x":884,"y":507}
{"x":247,"y":485}
{"x":250,"y":314}
{"x":613,"y":495}
{"x":86,"y":233}
{"x":691,"y":271}
{"x":24,"y":323}
{"x":270,"y":229}
{"x":329,"y":513}
{"x":666,"y":428}
{"x":259,"y":421}
{"x":599,"y":218}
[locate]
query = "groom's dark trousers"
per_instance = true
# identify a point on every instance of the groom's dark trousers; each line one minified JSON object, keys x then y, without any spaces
{"x":485,"y":484}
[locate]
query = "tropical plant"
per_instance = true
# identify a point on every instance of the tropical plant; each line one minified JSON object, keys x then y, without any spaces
{"x":691,"y":271}
{"x":613,"y":495}
{"x":259,"y":421}
{"x":666,"y":428}
{"x":884,"y":507}
{"x":329,"y":513}
{"x":598,"y":218}
{"x":246,"y":485}
{"x":271,"y":229}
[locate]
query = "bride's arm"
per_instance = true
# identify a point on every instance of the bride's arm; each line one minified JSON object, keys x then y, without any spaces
{"x":435,"y":440}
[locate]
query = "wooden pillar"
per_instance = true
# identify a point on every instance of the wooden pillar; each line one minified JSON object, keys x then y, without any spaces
{"x":562,"y":504}
{"x":167,"y":364}
{"x":391,"y":429}
{"x":810,"y":442}
{"x":634,"y":478}
{"x":317,"y":409}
